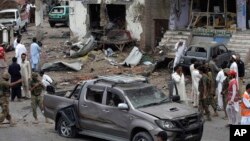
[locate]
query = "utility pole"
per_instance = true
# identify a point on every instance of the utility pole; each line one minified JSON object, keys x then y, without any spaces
{"x":39,"y":19}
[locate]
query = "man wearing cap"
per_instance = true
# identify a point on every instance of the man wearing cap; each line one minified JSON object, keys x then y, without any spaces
{"x":4,"y":98}
{"x":233,"y":98}
{"x":245,"y":107}
{"x":179,"y":50}
{"x":234,"y":67}
{"x":162,"y":136}
{"x":36,"y":88}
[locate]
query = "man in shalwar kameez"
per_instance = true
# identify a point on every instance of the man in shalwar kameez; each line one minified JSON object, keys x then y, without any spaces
{"x":179,"y":50}
{"x":35,"y":55}
{"x":26,"y":75}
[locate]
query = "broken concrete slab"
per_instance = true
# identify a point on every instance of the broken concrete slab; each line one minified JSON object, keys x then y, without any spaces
{"x":82,"y":48}
{"x":133,"y":58}
{"x":62,"y":66}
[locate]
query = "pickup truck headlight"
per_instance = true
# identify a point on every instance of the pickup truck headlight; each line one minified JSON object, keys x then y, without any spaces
{"x":165,"y":124}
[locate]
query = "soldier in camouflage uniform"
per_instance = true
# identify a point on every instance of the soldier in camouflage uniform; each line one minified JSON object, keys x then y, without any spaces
{"x":204,"y":93}
{"x":225,"y":92}
{"x":36,"y":88}
{"x":4,"y":98}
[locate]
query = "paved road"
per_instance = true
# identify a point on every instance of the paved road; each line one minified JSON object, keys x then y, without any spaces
{"x":26,"y":131}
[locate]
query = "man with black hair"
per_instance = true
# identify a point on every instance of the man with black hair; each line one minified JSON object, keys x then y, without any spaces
{"x":195,"y":79}
{"x":241,"y":73}
{"x":219,"y":79}
{"x":14,"y":71}
{"x":20,"y":49}
{"x":35,"y":51}
{"x":179,"y":80}
{"x":245,"y":107}
{"x":162,"y":136}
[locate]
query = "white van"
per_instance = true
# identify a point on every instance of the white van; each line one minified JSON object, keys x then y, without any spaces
{"x":9,"y":17}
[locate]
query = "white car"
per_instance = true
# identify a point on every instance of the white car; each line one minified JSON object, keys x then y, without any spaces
{"x":12,"y":17}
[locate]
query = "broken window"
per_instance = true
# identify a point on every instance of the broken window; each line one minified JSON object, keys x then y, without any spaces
{"x":94,"y":94}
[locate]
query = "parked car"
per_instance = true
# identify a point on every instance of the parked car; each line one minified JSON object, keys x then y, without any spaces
{"x":12,"y":17}
{"x":121,"y":108}
{"x":59,"y":14}
{"x":205,"y":52}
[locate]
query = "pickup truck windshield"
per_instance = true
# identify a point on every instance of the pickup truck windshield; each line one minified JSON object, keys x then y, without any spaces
{"x":143,"y":97}
{"x":7,"y":15}
{"x":57,"y":10}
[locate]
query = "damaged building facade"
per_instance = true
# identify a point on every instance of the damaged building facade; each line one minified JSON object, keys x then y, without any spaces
{"x":145,"y":20}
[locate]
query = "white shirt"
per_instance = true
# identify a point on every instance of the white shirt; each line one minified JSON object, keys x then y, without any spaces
{"x":15,"y":43}
{"x":46,"y":80}
{"x":180,"y":49}
{"x":20,"y":49}
{"x":180,"y":84}
{"x":196,"y":78}
{"x":234,"y":67}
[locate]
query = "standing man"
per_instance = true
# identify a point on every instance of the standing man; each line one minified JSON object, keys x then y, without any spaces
{"x":4,"y":98}
{"x":3,"y":64}
{"x":26,"y":75}
{"x":234,"y":67}
{"x":220,"y":79}
{"x":20,"y":49}
{"x":191,"y":68}
{"x":179,"y":50}
{"x":233,"y":98}
{"x":196,"y":78}
{"x":14,"y":71}
{"x":179,"y":80}
{"x":204,"y":93}
{"x":35,"y":55}
{"x":224,"y":92}
{"x":241,"y":69}
{"x":15,"y":41}
{"x":36,"y":88}
{"x":245,"y":107}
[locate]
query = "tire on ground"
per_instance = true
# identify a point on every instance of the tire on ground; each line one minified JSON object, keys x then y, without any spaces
{"x":64,"y":130}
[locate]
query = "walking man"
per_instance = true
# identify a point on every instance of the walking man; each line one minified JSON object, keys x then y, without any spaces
{"x":35,"y":51}
{"x":220,"y":79}
{"x":4,"y":98}
{"x":179,"y":80}
{"x":20,"y":49}
{"x":26,"y":75}
{"x":245,"y":107}
{"x":179,"y":50}
{"x":196,"y":78}
{"x":14,"y":71}
{"x":233,"y":98}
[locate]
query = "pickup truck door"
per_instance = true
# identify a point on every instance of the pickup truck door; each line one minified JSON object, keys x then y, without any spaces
{"x":90,"y":108}
{"x":223,"y":55}
{"x":117,"y":121}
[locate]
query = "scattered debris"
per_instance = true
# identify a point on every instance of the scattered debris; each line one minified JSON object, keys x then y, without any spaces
{"x":82,"y":48}
{"x":62,"y":66}
{"x":133,"y":58}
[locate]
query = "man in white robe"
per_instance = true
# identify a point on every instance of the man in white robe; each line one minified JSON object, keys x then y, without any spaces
{"x":179,"y":50}
{"x":196,"y":78}
{"x":20,"y":49}
{"x":220,"y":79}
{"x":245,"y":107}
{"x":26,"y":76}
{"x":179,"y":79}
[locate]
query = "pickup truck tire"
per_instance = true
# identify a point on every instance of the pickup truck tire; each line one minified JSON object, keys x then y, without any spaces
{"x":52,"y":24}
{"x":64,"y":129}
{"x":142,"y":136}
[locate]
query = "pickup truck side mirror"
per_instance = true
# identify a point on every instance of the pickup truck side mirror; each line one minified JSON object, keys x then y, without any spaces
{"x":123,"y":106}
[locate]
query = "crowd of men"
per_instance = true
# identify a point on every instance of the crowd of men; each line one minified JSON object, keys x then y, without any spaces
{"x":24,"y":80}
{"x":219,"y":87}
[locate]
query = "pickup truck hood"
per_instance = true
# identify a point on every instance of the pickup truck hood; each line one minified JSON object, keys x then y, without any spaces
{"x":169,"y":110}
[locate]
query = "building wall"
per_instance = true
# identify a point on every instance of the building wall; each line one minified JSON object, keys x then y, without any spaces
{"x":140,"y":15}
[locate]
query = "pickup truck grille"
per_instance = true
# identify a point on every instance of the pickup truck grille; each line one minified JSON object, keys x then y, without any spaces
{"x":188,"y":121}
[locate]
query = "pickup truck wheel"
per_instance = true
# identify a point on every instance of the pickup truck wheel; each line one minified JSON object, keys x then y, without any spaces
{"x":64,"y":129}
{"x":142,"y":136}
{"x":52,"y":24}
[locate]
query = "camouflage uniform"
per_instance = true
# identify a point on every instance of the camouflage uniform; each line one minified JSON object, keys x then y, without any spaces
{"x":211,"y":99}
{"x":36,"y":98}
{"x":203,"y":97}
{"x":4,"y":101}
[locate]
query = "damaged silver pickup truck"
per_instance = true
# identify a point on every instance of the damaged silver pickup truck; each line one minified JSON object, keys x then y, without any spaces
{"x":121,"y":108}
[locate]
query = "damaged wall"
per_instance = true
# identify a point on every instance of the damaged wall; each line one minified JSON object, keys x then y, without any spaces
{"x":78,"y":19}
